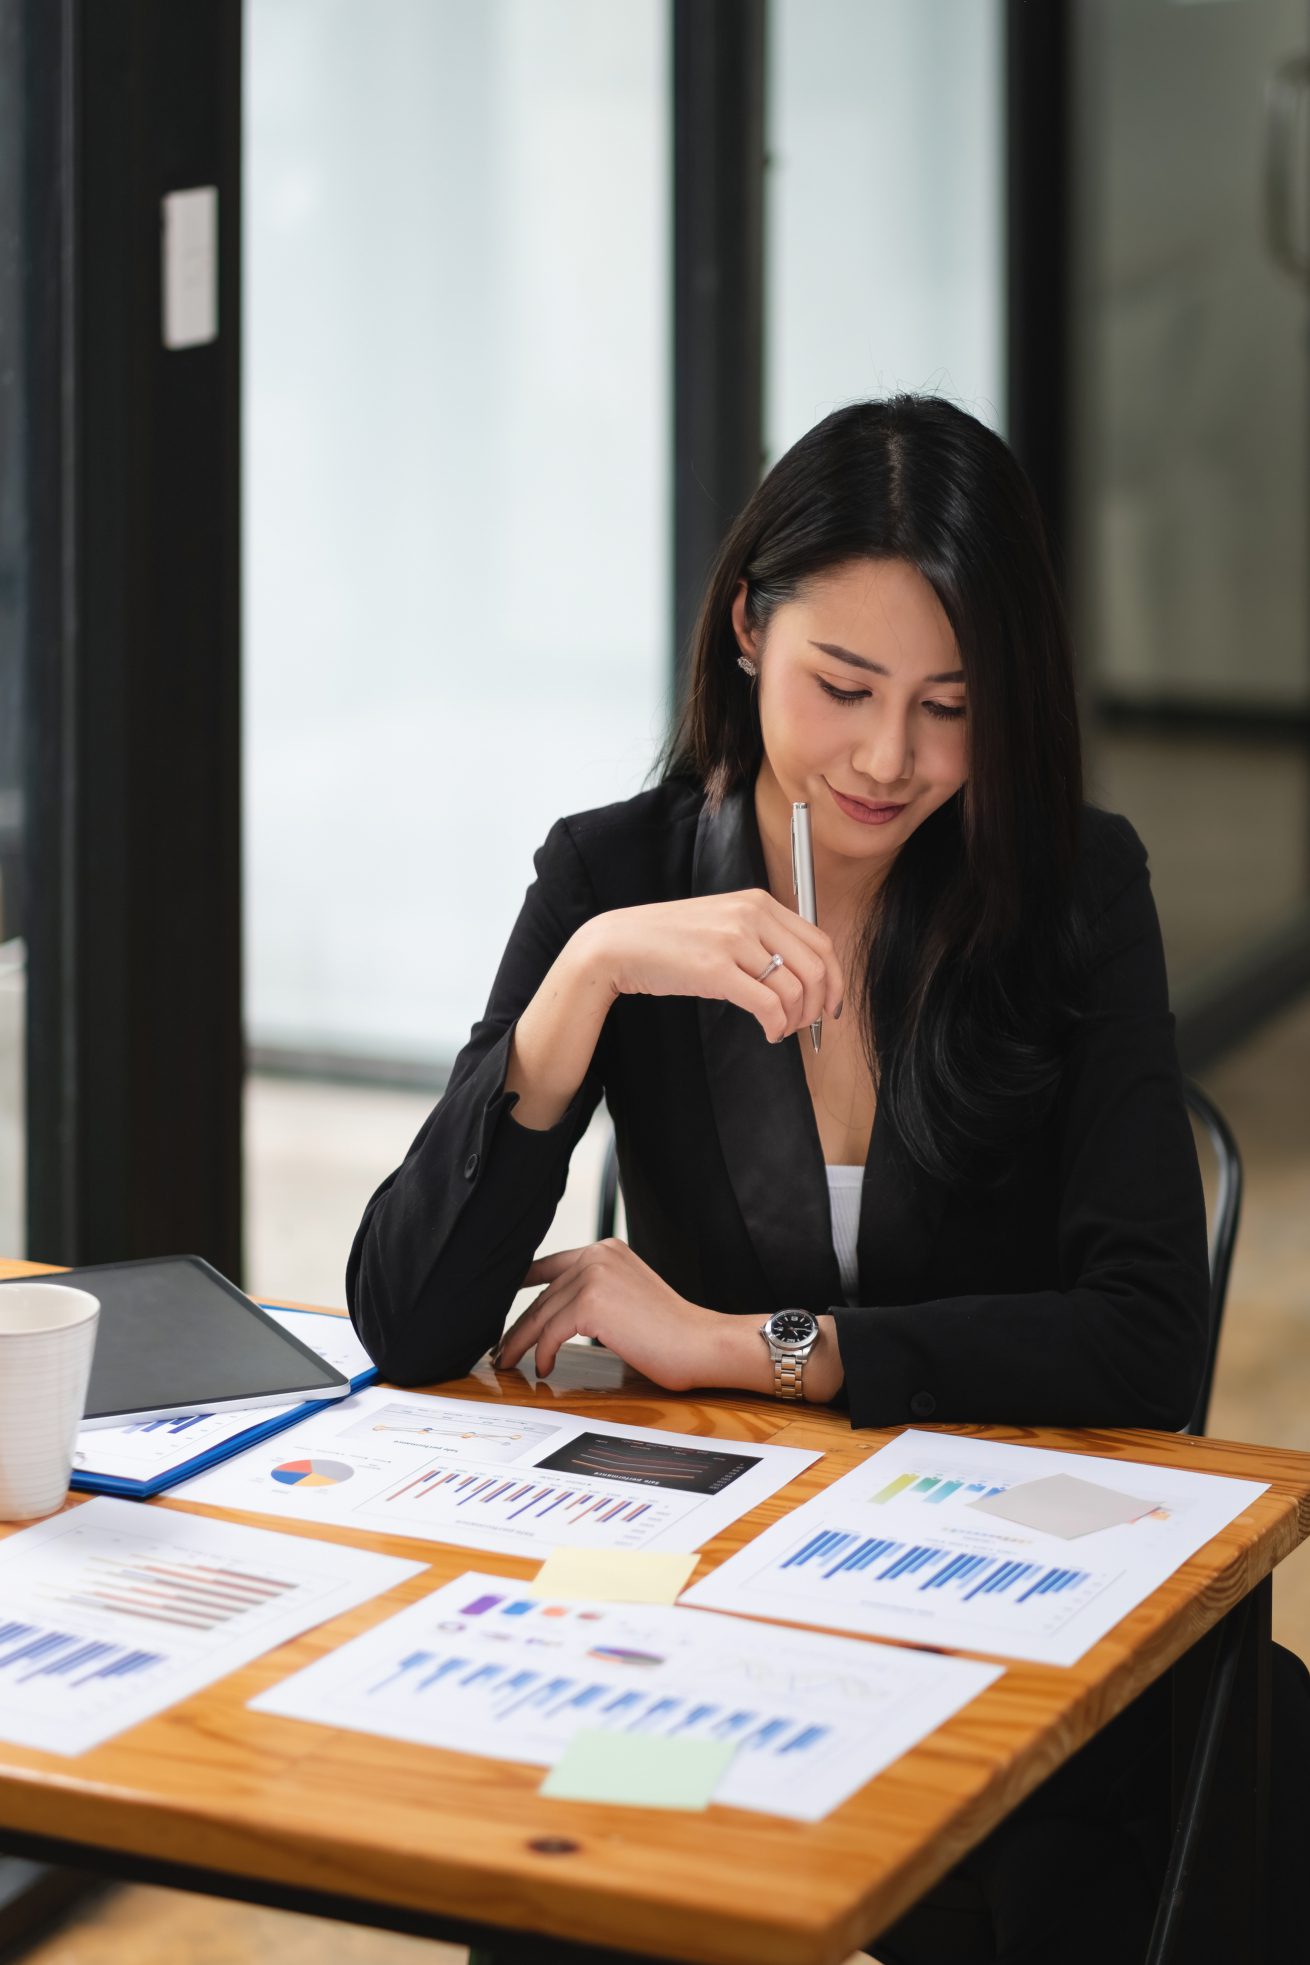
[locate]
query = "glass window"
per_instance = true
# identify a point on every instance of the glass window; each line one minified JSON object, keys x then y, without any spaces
{"x":457,"y":417}
{"x":884,"y":207}
{"x":456,"y":535}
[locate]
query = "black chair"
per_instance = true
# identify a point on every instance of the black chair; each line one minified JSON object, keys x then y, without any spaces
{"x":608,"y":1205}
{"x":1223,"y":1232}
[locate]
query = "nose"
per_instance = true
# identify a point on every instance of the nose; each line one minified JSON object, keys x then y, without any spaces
{"x":882,"y":752}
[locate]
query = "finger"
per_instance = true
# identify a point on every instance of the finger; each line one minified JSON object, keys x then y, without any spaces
{"x":811,"y":973}
{"x":763,"y":1003}
{"x":520,"y":1337}
{"x":558,"y":1329}
{"x":817,"y":943}
{"x":547,"y":1267}
{"x":802,"y":982}
{"x":569,"y":1266}
{"x":557,"y":1301}
{"x":787,"y":987}
{"x":806,"y":987}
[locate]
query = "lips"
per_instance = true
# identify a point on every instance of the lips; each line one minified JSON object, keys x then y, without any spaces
{"x":864,"y":810}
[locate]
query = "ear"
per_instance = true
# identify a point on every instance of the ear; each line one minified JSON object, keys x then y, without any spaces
{"x":747,"y":640}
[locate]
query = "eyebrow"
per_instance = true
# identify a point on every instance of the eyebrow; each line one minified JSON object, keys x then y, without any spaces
{"x":863,"y":662}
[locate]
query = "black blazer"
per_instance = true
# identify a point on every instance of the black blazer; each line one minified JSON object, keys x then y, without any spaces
{"x":1075,"y":1293}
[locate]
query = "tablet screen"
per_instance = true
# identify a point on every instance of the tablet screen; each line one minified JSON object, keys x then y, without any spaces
{"x":175,"y":1336}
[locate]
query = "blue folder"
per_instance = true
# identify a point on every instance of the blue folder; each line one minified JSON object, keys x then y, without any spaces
{"x":260,"y":1428}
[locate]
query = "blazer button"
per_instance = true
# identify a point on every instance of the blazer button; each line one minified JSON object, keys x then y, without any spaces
{"x":470,"y":1166}
{"x":923,"y":1405}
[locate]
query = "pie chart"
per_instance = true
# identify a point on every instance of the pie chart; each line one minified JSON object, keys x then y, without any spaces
{"x":312,"y":1473}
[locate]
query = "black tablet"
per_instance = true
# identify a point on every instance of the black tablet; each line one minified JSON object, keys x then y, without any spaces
{"x":174,"y":1336}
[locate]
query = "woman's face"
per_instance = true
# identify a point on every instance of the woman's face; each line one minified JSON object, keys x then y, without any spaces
{"x":861,"y":701}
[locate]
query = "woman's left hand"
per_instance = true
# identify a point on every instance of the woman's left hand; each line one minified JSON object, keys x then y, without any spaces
{"x":607,"y":1292}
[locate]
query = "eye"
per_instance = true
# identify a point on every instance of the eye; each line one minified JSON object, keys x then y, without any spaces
{"x":943,"y":712}
{"x":843,"y":695}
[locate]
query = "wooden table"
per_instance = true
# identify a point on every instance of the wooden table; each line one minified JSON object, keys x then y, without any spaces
{"x":211,"y":1796}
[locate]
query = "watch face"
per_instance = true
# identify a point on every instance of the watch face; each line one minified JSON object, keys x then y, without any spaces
{"x":792,"y":1327}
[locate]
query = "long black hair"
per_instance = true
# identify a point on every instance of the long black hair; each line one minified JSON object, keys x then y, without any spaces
{"x":972,"y":949}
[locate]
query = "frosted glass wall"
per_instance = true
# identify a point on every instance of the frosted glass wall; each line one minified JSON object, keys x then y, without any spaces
{"x":885,"y":207}
{"x":456,"y":533}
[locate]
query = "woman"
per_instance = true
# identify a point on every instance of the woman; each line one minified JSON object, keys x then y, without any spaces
{"x":982,"y":1185}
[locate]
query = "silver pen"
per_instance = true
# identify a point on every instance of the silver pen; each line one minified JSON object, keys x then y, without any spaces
{"x":802,"y":881}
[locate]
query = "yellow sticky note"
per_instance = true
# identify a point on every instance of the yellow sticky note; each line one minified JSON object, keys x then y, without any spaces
{"x":612,"y":1575}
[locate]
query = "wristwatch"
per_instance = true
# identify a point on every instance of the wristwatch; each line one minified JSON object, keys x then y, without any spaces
{"x":790,"y":1335}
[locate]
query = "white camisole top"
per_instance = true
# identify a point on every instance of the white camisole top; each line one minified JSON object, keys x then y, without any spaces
{"x":844,"y":1184}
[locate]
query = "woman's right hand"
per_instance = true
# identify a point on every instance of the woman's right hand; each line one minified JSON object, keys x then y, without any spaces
{"x":715,"y":946}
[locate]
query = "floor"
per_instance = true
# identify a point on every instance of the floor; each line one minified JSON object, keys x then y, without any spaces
{"x":315,"y":1152}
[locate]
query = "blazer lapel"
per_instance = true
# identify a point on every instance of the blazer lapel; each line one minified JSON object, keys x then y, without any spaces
{"x":760,"y":1098}
{"x":900,"y":1212}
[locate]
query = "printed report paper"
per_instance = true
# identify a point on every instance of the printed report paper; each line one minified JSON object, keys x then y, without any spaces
{"x":112,"y":1611}
{"x":146,"y":1449}
{"x":481,"y":1667}
{"x":908,"y":1545}
{"x":519,"y":1480}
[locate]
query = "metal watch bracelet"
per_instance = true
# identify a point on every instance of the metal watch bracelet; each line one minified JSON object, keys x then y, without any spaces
{"x":788,"y":1374}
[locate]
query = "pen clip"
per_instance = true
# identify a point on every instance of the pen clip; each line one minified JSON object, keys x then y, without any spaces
{"x":795,"y":882}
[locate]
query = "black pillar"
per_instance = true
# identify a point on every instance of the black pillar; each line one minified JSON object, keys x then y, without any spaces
{"x":131,"y":755}
{"x":718,"y":256}
{"x":1037,"y":215}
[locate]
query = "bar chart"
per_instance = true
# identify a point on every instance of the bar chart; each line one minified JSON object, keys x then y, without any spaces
{"x":935,"y":1488}
{"x":473,"y":1499}
{"x":511,"y":1480}
{"x":479,"y":1667}
{"x":112,"y":1611}
{"x":31,"y":1651}
{"x":845,"y":1562}
{"x":179,"y":1422}
{"x":536,"y":1701}
{"x":976,"y":1544}
{"x":175,"y":1588}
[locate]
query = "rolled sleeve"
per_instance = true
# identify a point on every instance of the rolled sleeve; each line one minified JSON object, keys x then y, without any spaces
{"x":445,"y":1241}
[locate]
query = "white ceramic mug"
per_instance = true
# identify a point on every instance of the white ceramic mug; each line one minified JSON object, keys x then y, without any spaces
{"x":47,"y":1337}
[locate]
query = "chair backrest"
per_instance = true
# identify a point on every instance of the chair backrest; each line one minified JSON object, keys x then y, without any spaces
{"x":1223,"y":1226}
{"x":1223,"y":1232}
{"x":608,"y":1205}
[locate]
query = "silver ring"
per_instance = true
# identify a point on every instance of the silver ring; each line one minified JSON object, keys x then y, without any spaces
{"x":774,"y":962}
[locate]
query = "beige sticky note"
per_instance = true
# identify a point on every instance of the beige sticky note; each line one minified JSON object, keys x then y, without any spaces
{"x":642,"y":1771}
{"x":612,"y":1575}
{"x":1061,"y":1504}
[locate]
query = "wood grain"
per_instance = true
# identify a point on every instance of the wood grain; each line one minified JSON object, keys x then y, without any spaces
{"x":251,"y":1795}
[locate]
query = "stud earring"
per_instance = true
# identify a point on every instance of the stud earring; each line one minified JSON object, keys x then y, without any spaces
{"x":744,"y":663}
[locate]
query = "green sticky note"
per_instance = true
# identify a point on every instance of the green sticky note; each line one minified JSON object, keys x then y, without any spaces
{"x":640,"y":1771}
